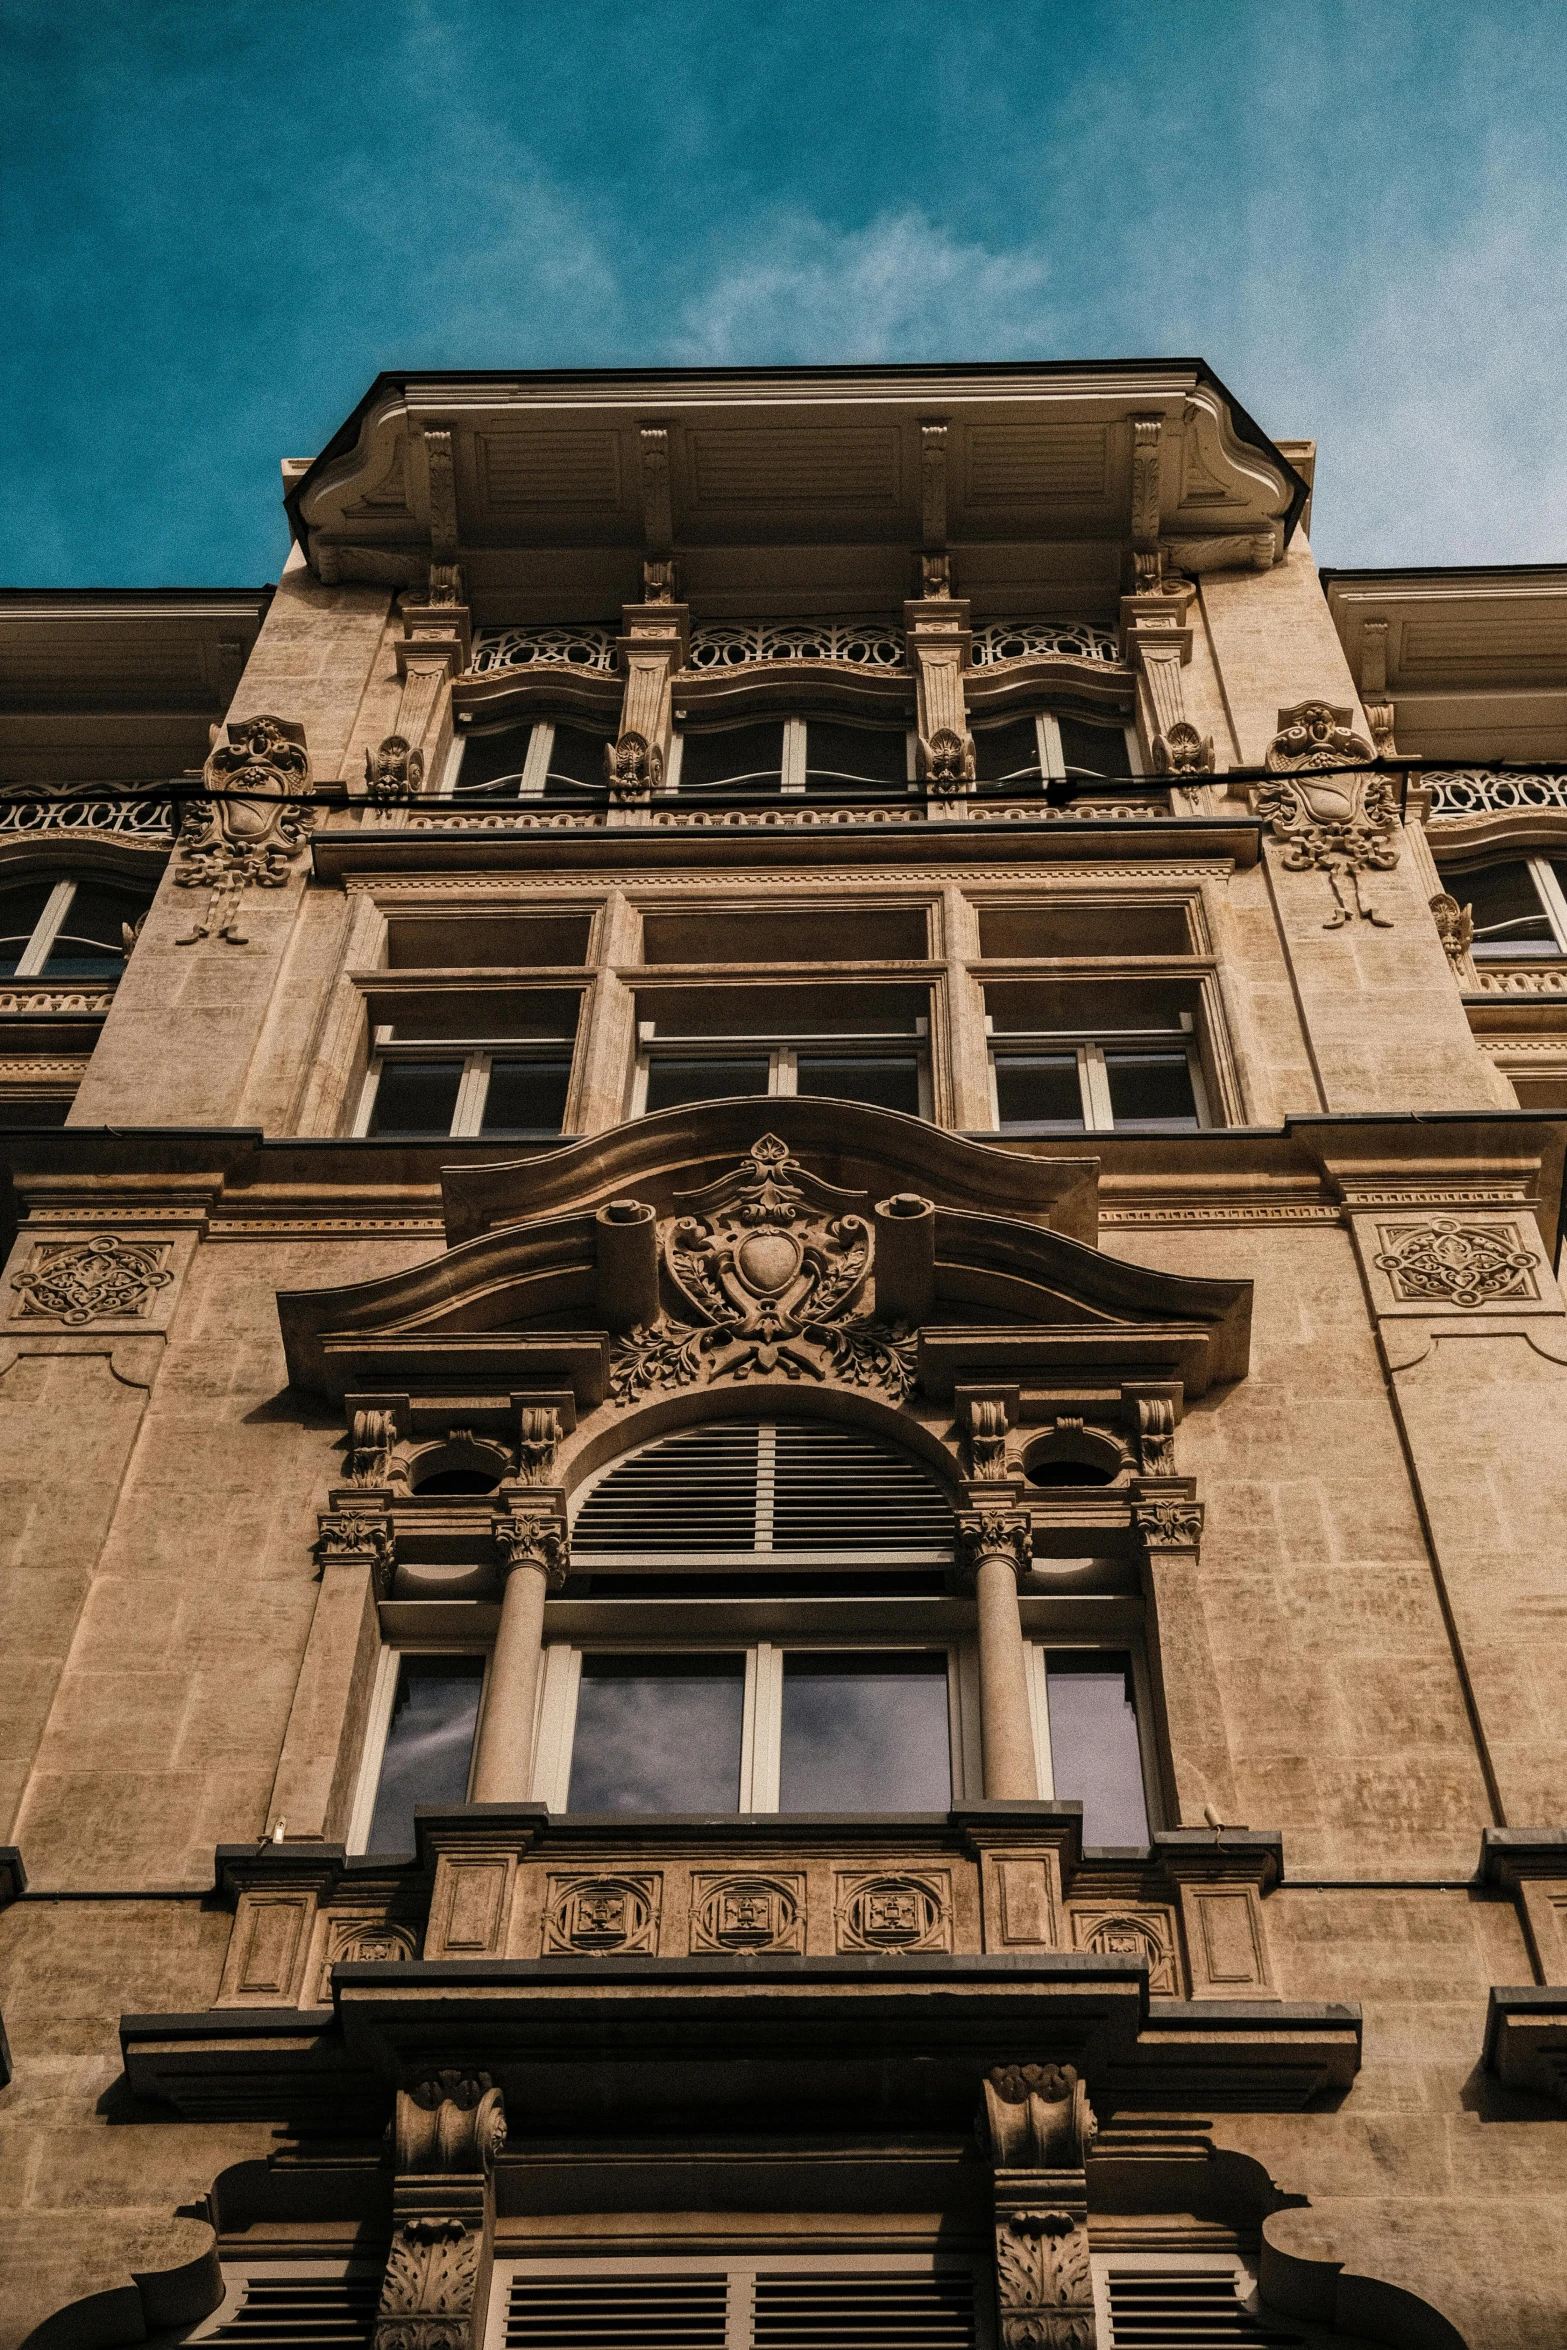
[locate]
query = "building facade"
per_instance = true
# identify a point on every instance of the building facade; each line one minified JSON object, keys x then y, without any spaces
{"x":784,"y":1190}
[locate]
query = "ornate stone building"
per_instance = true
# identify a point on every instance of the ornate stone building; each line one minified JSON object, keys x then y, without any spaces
{"x":782,"y":1397}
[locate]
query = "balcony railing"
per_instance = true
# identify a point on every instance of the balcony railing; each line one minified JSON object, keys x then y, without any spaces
{"x":150,"y":819}
{"x":851,"y":641}
{"x":1477,"y":791}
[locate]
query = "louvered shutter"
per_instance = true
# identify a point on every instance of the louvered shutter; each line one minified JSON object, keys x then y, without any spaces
{"x":797,"y":1492}
{"x":856,"y":2306}
{"x":302,"y":2313}
{"x":859,"y":2311}
{"x":616,"y":2313}
{"x":1184,"y":2309}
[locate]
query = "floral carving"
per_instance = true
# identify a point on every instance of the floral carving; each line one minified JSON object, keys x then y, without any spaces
{"x":255,"y":832}
{"x":93,"y":1280}
{"x":771,"y":1278}
{"x":633,"y":767}
{"x":1168,"y":1525}
{"x":1330,"y":821}
{"x":1446,"y":1262}
{"x":602,"y":1913}
{"x":1156,"y":1436}
{"x":356,"y":1535}
{"x":987,"y":1438}
{"x":427,"y":2290}
{"x":1455,"y":926}
{"x":894,"y":1913}
{"x":996,"y":1534}
{"x":538,"y":1442}
{"x":393,"y":769}
{"x":1044,"y":2282}
{"x":534,"y":1541}
{"x":947,"y":763}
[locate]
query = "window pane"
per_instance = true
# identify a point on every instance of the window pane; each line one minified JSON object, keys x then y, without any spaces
{"x":90,"y":942}
{"x":865,"y":1733}
{"x":1095,"y":1757}
{"x":416,"y":1097}
{"x":889,"y":1081}
{"x":1151,"y":1089}
{"x":1093,"y":750}
{"x":856,"y":754}
{"x":19,"y":912}
{"x":491,"y":758}
{"x":577,"y":754}
{"x":658,"y":1733}
{"x":1508,"y":916}
{"x":740,"y":758}
{"x":1038,"y":1089}
{"x":429,"y":1747}
{"x":670,"y":1082}
{"x":524,"y":1094}
{"x":1008,"y":754}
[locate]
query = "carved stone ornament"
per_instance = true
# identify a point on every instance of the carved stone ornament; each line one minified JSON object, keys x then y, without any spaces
{"x":590,"y":1914}
{"x":538,"y":1442}
{"x":454,"y":2121}
{"x":1044,"y":2282}
{"x":1037,"y":2117}
{"x":1181,"y":750}
{"x":995,"y":1534}
{"x":1455,"y":926}
{"x":633,"y":769}
{"x":1156,"y":1436}
{"x":1330,"y":821}
{"x":97,"y":1280}
{"x":371,"y":1438}
{"x":361,"y":1942}
{"x":1139,"y":1934}
{"x":771,"y":1271}
{"x":895,"y":1913}
{"x":428,"y":2288}
{"x":255,"y":833}
{"x":947,"y":764}
{"x":393,"y":770}
{"x":1168,"y":1525}
{"x":1446,"y":1262}
{"x":987,"y":1438}
{"x":534,"y":1540}
{"x":359,"y":1534}
{"x":748,"y":1913}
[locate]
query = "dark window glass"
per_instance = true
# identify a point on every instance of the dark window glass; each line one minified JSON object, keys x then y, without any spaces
{"x":1095,"y":1758}
{"x":429,"y":1747}
{"x":416,"y":1097}
{"x":492,"y":763}
{"x":1151,"y":1089}
{"x":90,"y":942}
{"x":670,"y":1082}
{"x":1509,"y":919}
{"x":577,"y":755}
{"x":526,"y":1094}
{"x":19,"y":912}
{"x":457,"y":1481}
{"x":736,"y":758}
{"x":865,"y":1733}
{"x":889,"y":1081}
{"x":658,"y":1733}
{"x":1093,"y":750}
{"x":1038,"y":1089}
{"x":876,"y":755}
{"x":47,"y":1110}
{"x":1008,"y":754}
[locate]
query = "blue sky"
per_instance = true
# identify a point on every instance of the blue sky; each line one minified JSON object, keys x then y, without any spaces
{"x":220,"y":218}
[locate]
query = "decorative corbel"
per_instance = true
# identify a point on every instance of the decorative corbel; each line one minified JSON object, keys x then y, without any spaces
{"x":359,"y":1537}
{"x":1147,"y":453}
{"x":538,"y":1443}
{"x":372,"y":1435}
{"x":658,"y":522}
{"x":1455,"y":927}
{"x":1329,"y":819}
{"x":935,"y":563}
{"x":393,"y":770}
{"x":939,"y":643}
{"x":653,"y":646}
{"x":1157,"y":643}
{"x":1379,"y":710}
{"x":1038,"y":2130}
{"x":448,"y":2132}
{"x":1153,"y":1412}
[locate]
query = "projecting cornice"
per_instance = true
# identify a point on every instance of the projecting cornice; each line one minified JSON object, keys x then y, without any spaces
{"x":549,"y":490}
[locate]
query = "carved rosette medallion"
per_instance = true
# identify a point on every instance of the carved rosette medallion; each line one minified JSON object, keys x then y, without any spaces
{"x":1446,"y":1262}
{"x":1330,"y":820}
{"x":588,"y":1914}
{"x":253,"y":831}
{"x":895,"y":1912}
{"x":1144,"y":1934}
{"x":748,"y":1913}
{"x":771,"y":1272}
{"x":97,"y":1280}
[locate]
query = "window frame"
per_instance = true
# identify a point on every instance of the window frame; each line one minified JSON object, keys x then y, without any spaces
{"x":1039,"y":1648}
{"x":533,"y":777}
{"x":1052,"y":756}
{"x":794,"y":757}
{"x":33,"y":961}
{"x":473,"y":1084}
{"x":378,"y":1723}
{"x":1553,"y":905}
{"x":783,"y":1057}
{"x":1091,"y":1046}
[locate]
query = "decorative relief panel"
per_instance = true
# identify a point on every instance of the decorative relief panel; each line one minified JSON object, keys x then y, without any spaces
{"x":771,"y":1271}
{"x":1023,"y":640}
{"x":1331,"y":820}
{"x":748,"y":1912}
{"x":1446,"y":1261}
{"x":360,"y":1941}
{"x":254,"y":829}
{"x":895,"y":1912}
{"x":1123,"y":1933}
{"x":97,"y":1280}
{"x":1025,"y":1902}
{"x":593,"y":1914}
{"x":526,"y":648}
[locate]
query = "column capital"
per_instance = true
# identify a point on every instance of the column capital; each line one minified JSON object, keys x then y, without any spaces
{"x":1174,"y":1524}
{"x":534,"y":1538}
{"x":984,"y":1535}
{"x":350,"y":1536}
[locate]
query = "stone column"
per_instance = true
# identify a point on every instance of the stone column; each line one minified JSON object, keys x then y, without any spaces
{"x":449,"y":2130}
{"x":1167,"y":1526}
{"x":1038,"y":2128}
{"x":534,"y":1557}
{"x":996,"y":1549}
{"x":1156,"y":641}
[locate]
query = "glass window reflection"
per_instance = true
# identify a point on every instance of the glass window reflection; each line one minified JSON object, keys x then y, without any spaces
{"x":865,"y":1733}
{"x":658,"y":1734}
{"x":429,"y":1744}
{"x":1095,"y":1753}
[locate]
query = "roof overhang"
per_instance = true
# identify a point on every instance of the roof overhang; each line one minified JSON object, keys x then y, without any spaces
{"x":545,"y":490}
{"x":1473,"y":659}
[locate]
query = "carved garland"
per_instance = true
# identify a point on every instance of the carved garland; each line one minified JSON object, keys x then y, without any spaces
{"x":770,"y":1285}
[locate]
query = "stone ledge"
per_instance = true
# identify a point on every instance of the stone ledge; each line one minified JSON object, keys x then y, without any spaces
{"x":1526,"y":2038}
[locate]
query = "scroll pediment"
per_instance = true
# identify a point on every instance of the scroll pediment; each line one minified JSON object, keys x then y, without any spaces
{"x":668,"y":1254}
